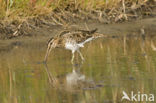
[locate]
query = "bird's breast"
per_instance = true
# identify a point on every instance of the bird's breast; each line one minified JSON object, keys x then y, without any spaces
{"x":71,"y":46}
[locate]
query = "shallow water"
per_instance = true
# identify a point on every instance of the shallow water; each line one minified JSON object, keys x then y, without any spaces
{"x":112,"y":65}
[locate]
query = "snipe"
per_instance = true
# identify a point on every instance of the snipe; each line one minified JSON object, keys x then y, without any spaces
{"x":72,"y":40}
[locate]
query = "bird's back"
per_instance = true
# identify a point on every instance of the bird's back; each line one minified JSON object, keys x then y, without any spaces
{"x":77,"y":36}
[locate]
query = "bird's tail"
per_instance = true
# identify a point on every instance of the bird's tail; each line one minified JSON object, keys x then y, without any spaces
{"x":93,"y":31}
{"x":89,"y":31}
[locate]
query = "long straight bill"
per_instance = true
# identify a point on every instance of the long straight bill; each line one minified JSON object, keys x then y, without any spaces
{"x":48,"y":52}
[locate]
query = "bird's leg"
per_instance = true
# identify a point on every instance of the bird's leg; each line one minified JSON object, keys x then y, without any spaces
{"x":73,"y":56}
{"x":80,"y":55}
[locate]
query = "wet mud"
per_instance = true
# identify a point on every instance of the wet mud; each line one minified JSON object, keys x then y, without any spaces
{"x":41,"y":34}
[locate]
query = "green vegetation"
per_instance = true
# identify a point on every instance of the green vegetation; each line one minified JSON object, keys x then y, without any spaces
{"x":20,"y":9}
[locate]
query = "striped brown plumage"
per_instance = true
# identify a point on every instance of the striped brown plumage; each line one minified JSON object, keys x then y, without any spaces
{"x":72,"y":40}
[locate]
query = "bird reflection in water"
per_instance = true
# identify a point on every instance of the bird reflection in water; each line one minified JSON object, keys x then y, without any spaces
{"x":75,"y":77}
{"x":52,"y":79}
{"x":72,"y":80}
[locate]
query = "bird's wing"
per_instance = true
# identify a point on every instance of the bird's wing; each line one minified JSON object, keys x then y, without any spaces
{"x":80,"y":36}
{"x":86,"y":41}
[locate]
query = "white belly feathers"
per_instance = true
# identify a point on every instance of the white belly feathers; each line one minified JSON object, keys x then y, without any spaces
{"x":73,"y":46}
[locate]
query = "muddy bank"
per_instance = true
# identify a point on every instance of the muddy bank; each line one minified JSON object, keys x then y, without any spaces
{"x":40,"y":28}
{"x":71,"y":17}
{"x":39,"y":36}
{"x":36,"y":31}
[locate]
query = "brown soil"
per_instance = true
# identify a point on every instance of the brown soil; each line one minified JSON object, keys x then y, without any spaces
{"x":39,"y":36}
{"x":74,"y":18}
